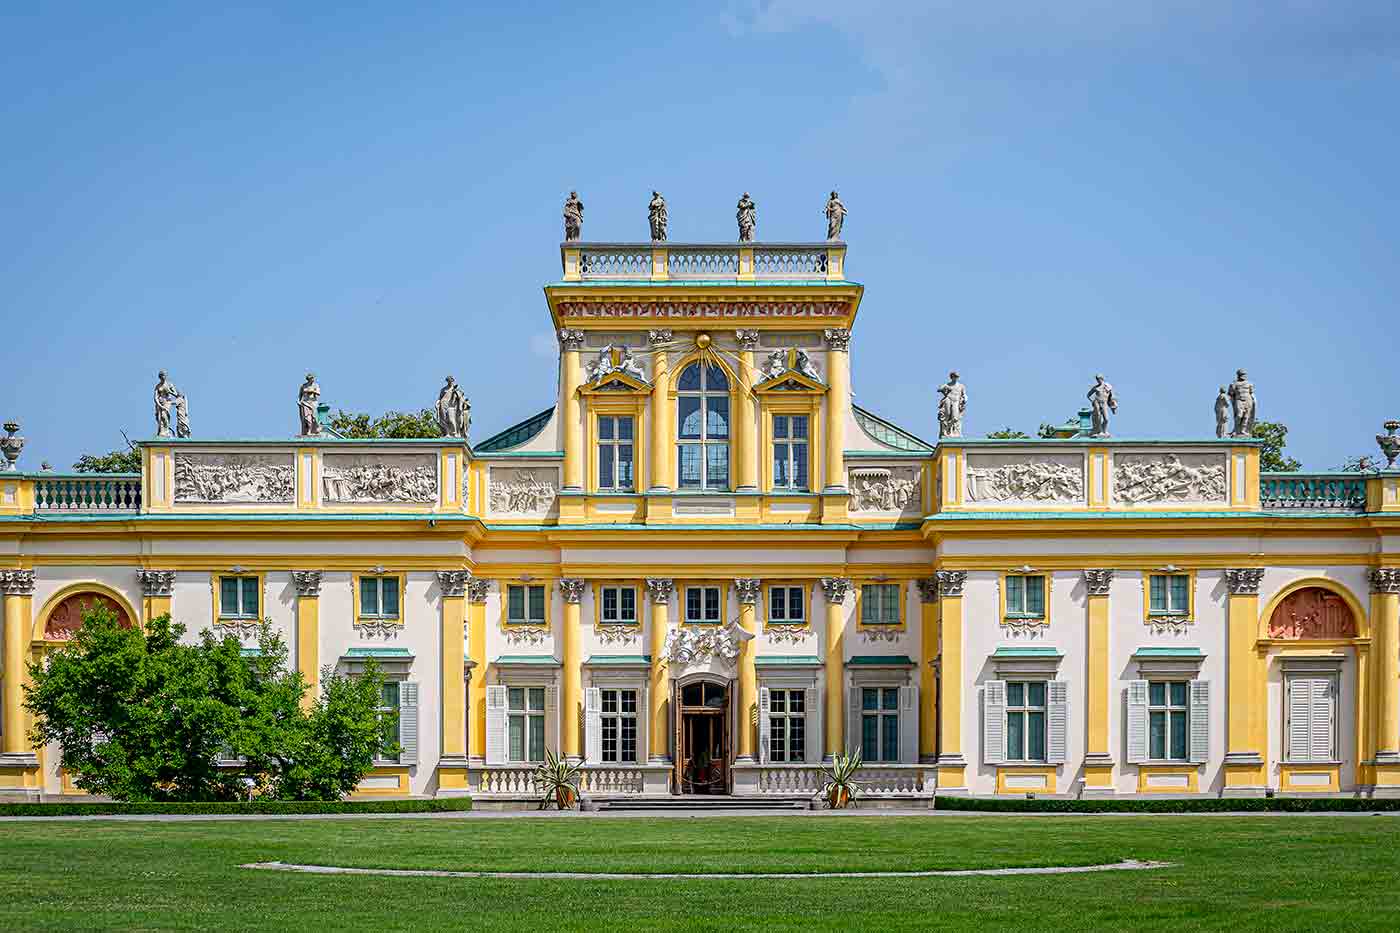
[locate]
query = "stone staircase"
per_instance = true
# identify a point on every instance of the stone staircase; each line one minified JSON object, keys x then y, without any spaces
{"x":699,"y":803}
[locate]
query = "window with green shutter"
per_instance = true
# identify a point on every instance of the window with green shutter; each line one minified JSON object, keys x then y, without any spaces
{"x":238,"y":597}
{"x":525,"y":604}
{"x":1168,"y":718}
{"x":879,"y":604}
{"x":1025,"y":596}
{"x":379,"y":597}
{"x":1169,"y":594}
{"x":389,"y":720}
{"x":525,"y":723}
{"x":879,"y":723}
{"x":1025,"y":720}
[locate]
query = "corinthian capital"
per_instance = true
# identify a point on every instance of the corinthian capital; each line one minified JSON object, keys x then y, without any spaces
{"x":838,"y":339}
{"x":17,"y":582}
{"x":660,"y":589}
{"x":453,"y":582}
{"x":836,"y":589}
{"x":747,"y":591}
{"x":1385,"y":580}
{"x":156,"y":582}
{"x":572,"y":588}
{"x":1244,"y":581}
{"x":950,"y":582}
{"x":1098,"y":581}
{"x":570,"y":339}
{"x":307,"y":582}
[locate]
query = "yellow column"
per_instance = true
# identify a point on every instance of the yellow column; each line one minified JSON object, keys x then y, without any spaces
{"x":748,"y":591}
{"x":835,"y":589}
{"x":453,"y":584}
{"x":659,"y":592}
{"x":1247,"y":690}
{"x":1385,"y":600}
{"x":928,"y":679}
{"x":156,"y":587}
{"x":571,"y":700}
{"x":571,"y":377}
{"x":1098,"y":760}
{"x":660,"y":439}
{"x":19,"y":766}
{"x":745,"y":428}
{"x":308,"y":587}
{"x":952,"y":766}
{"x":476,"y":654}
{"x":838,"y":406}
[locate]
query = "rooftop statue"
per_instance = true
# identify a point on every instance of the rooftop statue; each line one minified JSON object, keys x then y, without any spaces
{"x":1242,"y":397}
{"x":573,"y":217}
{"x":747,"y":216}
{"x":1103,"y":402}
{"x":454,"y":411}
{"x":166,"y":396}
{"x":835,"y":217}
{"x":307,"y":399}
{"x":656,"y":216}
{"x":1222,"y":411}
{"x":1389,"y":443}
{"x":952,"y":403}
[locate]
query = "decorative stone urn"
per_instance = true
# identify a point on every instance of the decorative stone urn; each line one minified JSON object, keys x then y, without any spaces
{"x":1390,"y":444}
{"x":11,"y":444}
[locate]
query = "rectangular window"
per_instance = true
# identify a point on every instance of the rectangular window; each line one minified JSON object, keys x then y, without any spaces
{"x":525,"y":604}
{"x":789,"y":451}
{"x":787,"y":725}
{"x":389,"y":718}
{"x":1025,"y":720}
{"x":879,"y":604}
{"x":1025,"y":596}
{"x":787,"y":605}
{"x":879,"y":723}
{"x":238,"y":597}
{"x":525,"y":718}
{"x":379,"y":597}
{"x":615,"y":453}
{"x":619,"y":725}
{"x":702,"y":605}
{"x":1169,"y":594}
{"x":1168,"y":719}
{"x":619,"y":605}
{"x":1310,"y":717}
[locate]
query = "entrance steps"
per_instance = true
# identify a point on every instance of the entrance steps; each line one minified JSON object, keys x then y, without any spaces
{"x":701,"y":802}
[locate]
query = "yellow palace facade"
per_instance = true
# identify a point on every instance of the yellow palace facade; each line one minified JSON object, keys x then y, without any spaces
{"x":705,"y":571}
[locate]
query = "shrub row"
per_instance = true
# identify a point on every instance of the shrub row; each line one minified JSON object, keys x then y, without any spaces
{"x":268,"y":807}
{"x":1197,"y":805}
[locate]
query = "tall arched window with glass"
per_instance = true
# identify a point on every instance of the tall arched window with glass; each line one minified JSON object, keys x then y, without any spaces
{"x":702,"y":433}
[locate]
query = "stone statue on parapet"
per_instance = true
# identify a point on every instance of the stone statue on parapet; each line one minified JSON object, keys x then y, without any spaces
{"x":1103,"y":403}
{"x":952,"y":403}
{"x":573,"y":217}
{"x":166,"y":397}
{"x":454,"y":411}
{"x":656,"y":216}
{"x":835,"y":217}
{"x":1242,"y":398}
{"x":1222,"y":412}
{"x":747,"y":216}
{"x":308,"y":398}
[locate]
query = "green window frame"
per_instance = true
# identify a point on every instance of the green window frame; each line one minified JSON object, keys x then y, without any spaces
{"x":879,"y":723}
{"x":525,"y":604}
{"x":238,"y":597}
{"x":618,"y":605}
{"x":1025,"y":596}
{"x":1169,"y":594}
{"x":790,"y":452}
{"x":879,"y":604}
{"x":380,"y":597}
{"x":388,"y":713}
{"x":787,"y":605}
{"x":616,"y":445}
{"x":1025,"y":720}
{"x":787,"y":725}
{"x":619,"y":725}
{"x":525,"y":740}
{"x":1168,"y":720}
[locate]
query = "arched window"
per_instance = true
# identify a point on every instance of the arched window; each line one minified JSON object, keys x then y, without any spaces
{"x":67,"y":617}
{"x":702,"y":428}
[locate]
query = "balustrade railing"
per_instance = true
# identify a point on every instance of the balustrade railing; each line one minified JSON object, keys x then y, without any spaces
{"x":618,"y":262}
{"x":874,"y":780}
{"x":789,"y":263}
{"x":1332,"y":491}
{"x":510,"y":782}
{"x":702,"y":262}
{"x":96,"y":492}
{"x":603,"y":780}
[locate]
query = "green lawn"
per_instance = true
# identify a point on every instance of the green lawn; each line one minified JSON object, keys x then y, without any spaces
{"x":1254,"y":872}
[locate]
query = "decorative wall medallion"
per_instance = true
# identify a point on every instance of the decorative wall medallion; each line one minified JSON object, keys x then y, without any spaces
{"x":523,"y":491}
{"x":214,"y":477}
{"x":1312,"y":612}
{"x":1011,"y":478}
{"x":379,"y":477}
{"x":884,"y":488}
{"x":685,"y":646}
{"x":1158,"y":478}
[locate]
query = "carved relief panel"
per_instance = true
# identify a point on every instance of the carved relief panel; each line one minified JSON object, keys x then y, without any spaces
{"x":1312,"y":612}
{"x":524,"y":491}
{"x":233,"y":477}
{"x":893,"y":489}
{"x":1025,"y":479}
{"x":407,"y":477}
{"x":1169,"y":478}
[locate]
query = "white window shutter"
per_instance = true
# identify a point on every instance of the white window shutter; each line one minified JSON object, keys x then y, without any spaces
{"x":643,"y":723}
{"x":408,"y":723}
{"x":764,"y":710}
{"x":994,"y":722}
{"x":593,"y":724}
{"x":1056,"y":721}
{"x":496,"y":738}
{"x":1200,"y":721}
{"x":1298,"y":702}
{"x":1324,"y":725}
{"x":853,"y":740}
{"x":1137,"y":722}
{"x":551,"y":719}
{"x":909,"y":725}
{"x":814,"y":740}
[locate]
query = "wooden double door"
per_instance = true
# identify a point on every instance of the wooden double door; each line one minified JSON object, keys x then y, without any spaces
{"x":702,"y":737}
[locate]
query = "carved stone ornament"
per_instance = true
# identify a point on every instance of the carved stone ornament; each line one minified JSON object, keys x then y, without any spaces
{"x":658,"y":337}
{"x":307,"y":583}
{"x":835,"y":213}
{"x":616,"y":359}
{"x":884,"y":489}
{"x":656,"y":217}
{"x":737,"y":307}
{"x":1389,"y":443}
{"x":570,"y":339}
{"x":686,"y":646}
{"x":219,"y":477}
{"x":1244,"y":581}
{"x":659,"y":589}
{"x":788,"y":634}
{"x":882,"y":633}
{"x":1169,"y":625}
{"x":748,"y":339}
{"x":17,"y":582}
{"x":573,"y":217}
{"x":454,"y":411}
{"x":1385,"y":580}
{"x":1098,"y":582}
{"x":952,"y":405}
{"x":156,"y":582}
{"x":379,"y":477}
{"x":308,"y":401}
{"x":11,"y":445}
{"x":166,"y":397}
{"x":379,"y":628}
{"x":1312,"y":612}
{"x":1102,"y":403}
{"x":477,"y":589}
{"x":928,"y":589}
{"x":1000,"y":478}
{"x":792,"y":359}
{"x":747,"y":590}
{"x":453,"y":583}
{"x":1159,"y":478}
{"x":525,"y":634}
{"x":518,"y":491}
{"x":618,"y":634}
{"x":950,"y":582}
{"x":572,"y":589}
{"x":838,"y":339}
{"x":1025,"y":628}
{"x":836,"y":589}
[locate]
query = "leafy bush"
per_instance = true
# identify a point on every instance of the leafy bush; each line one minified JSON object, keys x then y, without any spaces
{"x":1189,"y":805}
{"x":222,"y":808}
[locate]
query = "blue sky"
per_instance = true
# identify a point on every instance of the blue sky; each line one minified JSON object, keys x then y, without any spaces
{"x":1161,"y":191}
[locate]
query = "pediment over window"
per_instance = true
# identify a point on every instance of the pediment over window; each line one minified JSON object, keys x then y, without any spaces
{"x":617,"y":369}
{"x":789,"y":370}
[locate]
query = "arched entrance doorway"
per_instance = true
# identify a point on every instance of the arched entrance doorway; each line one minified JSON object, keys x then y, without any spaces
{"x":702,"y":737}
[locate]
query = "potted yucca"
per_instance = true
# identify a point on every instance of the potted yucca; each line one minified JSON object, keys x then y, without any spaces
{"x":841,"y":787}
{"x":557,"y":781}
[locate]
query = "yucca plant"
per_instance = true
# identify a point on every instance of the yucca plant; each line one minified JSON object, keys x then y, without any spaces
{"x":557,"y":781}
{"x":841,"y":787}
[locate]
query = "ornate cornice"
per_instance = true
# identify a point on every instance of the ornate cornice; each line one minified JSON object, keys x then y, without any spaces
{"x":307,"y":582}
{"x":1385,"y":580}
{"x":1098,"y":581}
{"x":477,"y":589}
{"x":570,"y":339}
{"x":950,"y":582}
{"x":736,"y":307}
{"x":572,"y":588}
{"x":660,"y":589}
{"x":1244,"y":581}
{"x":17,"y":582}
{"x":838,"y":339}
{"x":836,"y":589}
{"x":453,"y":582}
{"x":928,"y":589}
{"x":748,"y":339}
{"x":156,"y":582}
{"x":747,"y":590}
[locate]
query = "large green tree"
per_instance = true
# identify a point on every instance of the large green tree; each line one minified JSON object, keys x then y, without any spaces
{"x":116,"y":461}
{"x":1007,"y":434}
{"x":1274,"y":434}
{"x":398,"y":424}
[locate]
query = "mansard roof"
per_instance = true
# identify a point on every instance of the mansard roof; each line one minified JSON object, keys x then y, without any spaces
{"x":887,"y":432}
{"x":516,"y":434}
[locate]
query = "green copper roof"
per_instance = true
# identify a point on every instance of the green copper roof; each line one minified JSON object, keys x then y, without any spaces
{"x":1007,"y":651}
{"x":1168,"y":653}
{"x":788,"y":660}
{"x":888,"y":433}
{"x":880,"y":660}
{"x":618,"y":660}
{"x":542,"y":660}
{"x":517,"y":434}
{"x":378,"y":653}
